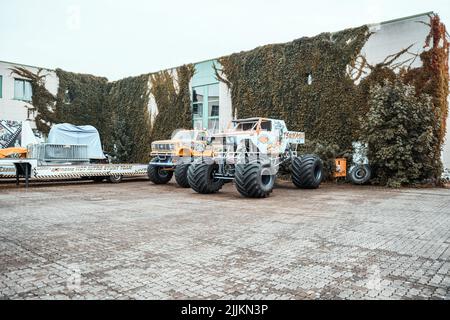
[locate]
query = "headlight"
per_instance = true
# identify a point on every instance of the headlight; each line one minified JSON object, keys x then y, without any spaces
{"x":199,"y":147}
{"x":171,"y":147}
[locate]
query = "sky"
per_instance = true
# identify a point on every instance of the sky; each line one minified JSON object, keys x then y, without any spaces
{"x":121,"y":38}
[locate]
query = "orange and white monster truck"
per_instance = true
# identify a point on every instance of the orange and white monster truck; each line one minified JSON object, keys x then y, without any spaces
{"x":251,"y":152}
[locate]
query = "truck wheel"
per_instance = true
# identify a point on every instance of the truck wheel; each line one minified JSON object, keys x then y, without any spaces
{"x":307,"y":172}
{"x":201,"y":180}
{"x":115,"y":178}
{"x":360,"y":174}
{"x":181,"y":175}
{"x":253,"y":180}
{"x":158,"y":175}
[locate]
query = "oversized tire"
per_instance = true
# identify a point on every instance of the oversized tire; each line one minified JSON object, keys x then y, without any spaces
{"x":254,"y":180}
{"x":360,"y":174}
{"x":307,"y":172}
{"x":116,"y":178}
{"x":201,"y":180}
{"x":181,"y":175}
{"x":158,"y":174}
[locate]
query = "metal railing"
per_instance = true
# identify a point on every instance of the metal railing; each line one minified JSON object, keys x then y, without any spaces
{"x":58,"y":152}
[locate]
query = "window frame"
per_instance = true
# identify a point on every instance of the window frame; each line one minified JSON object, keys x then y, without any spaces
{"x":23,"y":98}
{"x":205,"y":118}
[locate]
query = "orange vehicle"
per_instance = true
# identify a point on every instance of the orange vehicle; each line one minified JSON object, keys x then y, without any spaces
{"x":10,"y":152}
{"x":175,"y":156}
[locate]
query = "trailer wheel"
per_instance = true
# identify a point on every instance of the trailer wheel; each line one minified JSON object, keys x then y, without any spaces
{"x":157,"y":174}
{"x":307,"y":172}
{"x":181,"y":175}
{"x":360,"y":174}
{"x":116,"y":178}
{"x":254,"y":180}
{"x":201,"y":180}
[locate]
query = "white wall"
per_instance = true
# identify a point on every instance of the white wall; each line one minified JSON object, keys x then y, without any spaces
{"x":391,"y":37}
{"x":11,"y":109}
{"x":225,"y":109}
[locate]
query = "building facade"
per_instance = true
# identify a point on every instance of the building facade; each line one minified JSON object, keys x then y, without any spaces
{"x":16,"y":92}
{"x":210,"y":98}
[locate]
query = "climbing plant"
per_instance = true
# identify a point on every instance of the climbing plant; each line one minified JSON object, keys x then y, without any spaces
{"x":127,"y":102}
{"x":433,"y":79}
{"x":42,"y":100}
{"x":172,"y":96}
{"x":304,"y":82}
{"x":82,"y":100}
{"x":322,"y":85}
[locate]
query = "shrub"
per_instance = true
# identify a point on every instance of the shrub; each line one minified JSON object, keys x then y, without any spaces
{"x":399,"y":131}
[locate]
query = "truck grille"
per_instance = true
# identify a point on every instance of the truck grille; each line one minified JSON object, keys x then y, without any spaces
{"x":162,"y":147}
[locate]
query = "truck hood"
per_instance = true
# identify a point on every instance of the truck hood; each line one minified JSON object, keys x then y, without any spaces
{"x":168,"y":142}
{"x":234,"y":134}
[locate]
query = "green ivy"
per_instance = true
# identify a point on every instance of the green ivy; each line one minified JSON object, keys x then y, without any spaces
{"x":82,"y":100}
{"x":128,"y":101}
{"x":173,"y":100}
{"x":272,"y":81}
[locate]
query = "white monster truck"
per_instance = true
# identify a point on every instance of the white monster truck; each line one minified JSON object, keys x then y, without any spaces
{"x":251,"y":152}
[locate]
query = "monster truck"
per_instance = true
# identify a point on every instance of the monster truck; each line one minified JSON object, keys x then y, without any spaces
{"x":251,"y":153}
{"x":174,"y":156}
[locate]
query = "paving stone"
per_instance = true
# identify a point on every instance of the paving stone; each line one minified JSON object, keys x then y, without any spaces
{"x":142,"y":241}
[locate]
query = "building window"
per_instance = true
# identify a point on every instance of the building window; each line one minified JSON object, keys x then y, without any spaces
{"x":1,"y":86}
{"x":197,"y":107}
{"x":213,"y":107}
{"x":205,"y":107}
{"x":22,"y":90}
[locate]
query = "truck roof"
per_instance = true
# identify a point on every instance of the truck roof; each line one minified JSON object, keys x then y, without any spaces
{"x":252,"y":119}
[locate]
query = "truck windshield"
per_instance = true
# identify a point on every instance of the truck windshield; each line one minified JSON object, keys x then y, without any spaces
{"x":184,"y":135}
{"x":245,"y":126}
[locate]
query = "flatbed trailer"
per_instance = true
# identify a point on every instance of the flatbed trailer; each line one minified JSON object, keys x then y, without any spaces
{"x":32,"y":169}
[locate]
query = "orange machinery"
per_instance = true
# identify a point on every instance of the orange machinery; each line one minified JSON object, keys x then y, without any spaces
{"x":8,"y":152}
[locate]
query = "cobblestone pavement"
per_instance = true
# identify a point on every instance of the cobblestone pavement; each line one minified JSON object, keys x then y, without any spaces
{"x":136,"y":240}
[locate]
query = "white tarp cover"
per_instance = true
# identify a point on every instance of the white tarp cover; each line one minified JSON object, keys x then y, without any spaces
{"x":65,"y":133}
{"x":28,"y":136}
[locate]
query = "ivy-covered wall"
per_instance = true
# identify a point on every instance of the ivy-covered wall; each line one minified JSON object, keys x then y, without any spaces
{"x":82,"y":100}
{"x":119,"y":110}
{"x":127,"y":101}
{"x":304,"y":82}
{"x":172,"y":96}
{"x":310,"y":83}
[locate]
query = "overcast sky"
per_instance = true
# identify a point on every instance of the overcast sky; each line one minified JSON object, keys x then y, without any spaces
{"x":120,"y":38}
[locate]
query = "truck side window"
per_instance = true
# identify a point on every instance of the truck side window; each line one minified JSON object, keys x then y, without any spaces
{"x":266,"y":125}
